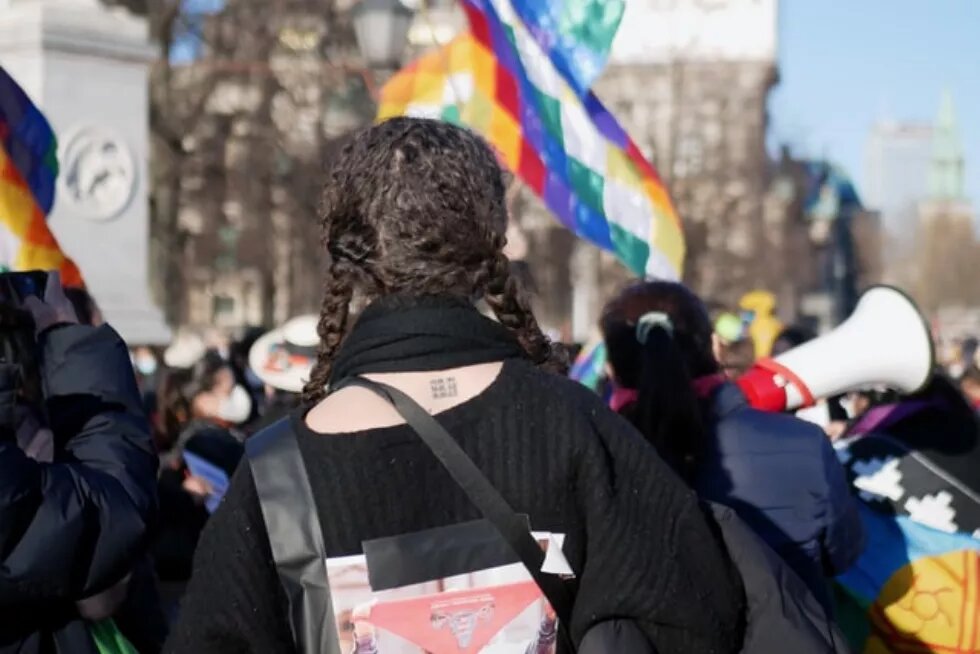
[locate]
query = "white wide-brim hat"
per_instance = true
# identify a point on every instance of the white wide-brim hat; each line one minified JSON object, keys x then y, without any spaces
{"x":186,"y":350}
{"x":284,"y":357}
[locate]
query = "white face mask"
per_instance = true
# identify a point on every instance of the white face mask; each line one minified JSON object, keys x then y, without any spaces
{"x":146,"y":366}
{"x":237,"y":407}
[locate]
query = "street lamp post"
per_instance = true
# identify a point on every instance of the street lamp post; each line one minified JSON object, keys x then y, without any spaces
{"x":381,"y":28}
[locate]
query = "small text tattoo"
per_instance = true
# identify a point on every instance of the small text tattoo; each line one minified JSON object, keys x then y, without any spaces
{"x":443,"y":387}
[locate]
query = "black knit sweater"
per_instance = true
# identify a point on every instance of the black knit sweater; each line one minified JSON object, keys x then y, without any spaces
{"x":636,"y":537}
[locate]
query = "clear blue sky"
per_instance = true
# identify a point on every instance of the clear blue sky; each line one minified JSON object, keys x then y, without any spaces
{"x":845,"y":63}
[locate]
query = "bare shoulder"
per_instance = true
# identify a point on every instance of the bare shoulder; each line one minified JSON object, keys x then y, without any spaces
{"x":354,"y":409}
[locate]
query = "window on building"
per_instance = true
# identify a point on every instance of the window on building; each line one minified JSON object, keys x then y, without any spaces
{"x":689,"y":159}
{"x":222,"y":308}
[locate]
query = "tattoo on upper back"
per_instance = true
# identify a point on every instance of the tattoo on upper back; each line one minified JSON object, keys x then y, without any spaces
{"x":443,"y":387}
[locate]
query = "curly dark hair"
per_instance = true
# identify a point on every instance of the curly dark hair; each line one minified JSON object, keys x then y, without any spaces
{"x":416,"y":207}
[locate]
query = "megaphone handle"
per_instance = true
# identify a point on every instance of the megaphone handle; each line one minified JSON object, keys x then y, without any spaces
{"x":792,"y":378}
{"x":763,"y":392}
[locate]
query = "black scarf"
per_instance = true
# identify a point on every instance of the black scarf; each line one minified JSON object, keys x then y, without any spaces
{"x":399,"y":334}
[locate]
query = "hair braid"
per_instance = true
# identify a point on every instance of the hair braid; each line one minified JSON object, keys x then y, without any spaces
{"x":337,"y":295}
{"x":511,"y":306}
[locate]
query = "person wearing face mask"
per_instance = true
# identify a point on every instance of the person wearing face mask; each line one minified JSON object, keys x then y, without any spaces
{"x":215,"y":396}
{"x":204,"y":406}
{"x":146,"y":365}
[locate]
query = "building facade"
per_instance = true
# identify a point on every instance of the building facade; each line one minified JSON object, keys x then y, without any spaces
{"x":264,"y":101}
{"x":275,"y":88}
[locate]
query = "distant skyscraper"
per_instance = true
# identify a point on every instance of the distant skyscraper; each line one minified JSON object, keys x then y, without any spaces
{"x":945,"y":195}
{"x":898,"y":158}
{"x":947,"y":168}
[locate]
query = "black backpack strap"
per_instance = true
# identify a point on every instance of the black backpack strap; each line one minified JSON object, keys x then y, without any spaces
{"x":480,"y":491}
{"x":294,"y":531}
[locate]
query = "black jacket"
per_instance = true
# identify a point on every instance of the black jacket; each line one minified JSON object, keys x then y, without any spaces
{"x":781,"y":613}
{"x":73,"y":528}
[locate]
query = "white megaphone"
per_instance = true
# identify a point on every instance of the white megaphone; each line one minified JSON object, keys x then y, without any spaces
{"x":885,"y":342}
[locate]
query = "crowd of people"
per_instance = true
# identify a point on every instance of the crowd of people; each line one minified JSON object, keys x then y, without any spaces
{"x":137,"y":507}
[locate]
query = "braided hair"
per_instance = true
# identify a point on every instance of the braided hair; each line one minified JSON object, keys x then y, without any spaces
{"x":417,"y":207}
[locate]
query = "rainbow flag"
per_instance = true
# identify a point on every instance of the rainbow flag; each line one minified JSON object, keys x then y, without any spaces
{"x":576,"y":34}
{"x":590,"y":365}
{"x":557,"y":137}
{"x":28,"y":170}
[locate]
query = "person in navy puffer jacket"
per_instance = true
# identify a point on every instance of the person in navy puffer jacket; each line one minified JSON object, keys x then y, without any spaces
{"x":77,"y":496}
{"x":779,"y":473}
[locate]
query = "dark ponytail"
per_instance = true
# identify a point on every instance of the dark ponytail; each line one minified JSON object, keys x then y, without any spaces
{"x":667,"y":410}
{"x":658,"y":340}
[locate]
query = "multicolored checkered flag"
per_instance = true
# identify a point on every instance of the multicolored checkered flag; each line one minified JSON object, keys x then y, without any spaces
{"x":28,"y":169}
{"x":515,"y":79}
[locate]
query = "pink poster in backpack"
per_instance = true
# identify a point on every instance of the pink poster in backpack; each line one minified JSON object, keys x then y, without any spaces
{"x":452,"y":590}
